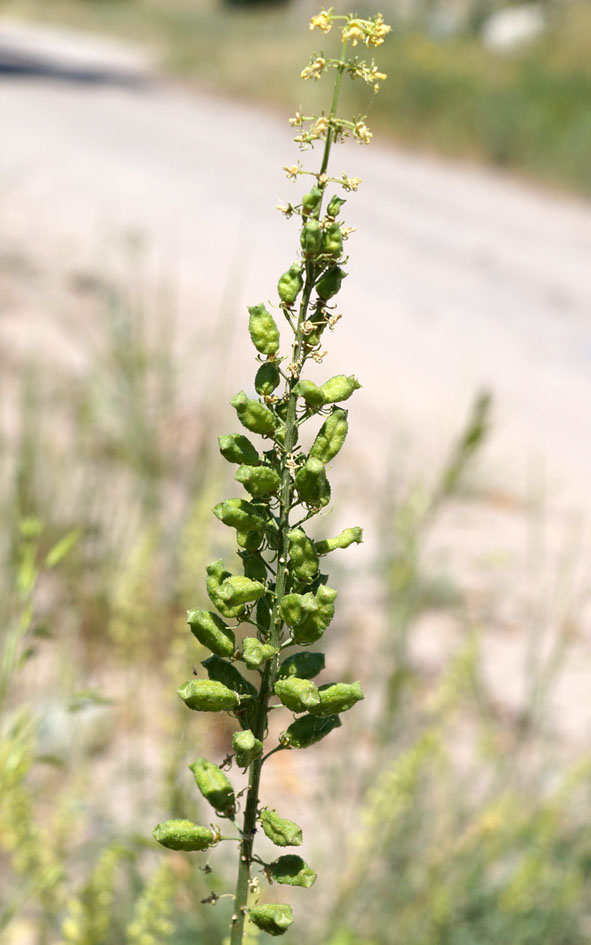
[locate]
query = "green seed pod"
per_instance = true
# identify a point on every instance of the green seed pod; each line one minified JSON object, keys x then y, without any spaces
{"x":330,"y":283}
{"x":337,"y":698}
{"x":238,"y":590}
{"x":250,"y":541}
{"x":334,"y":206}
{"x":311,"y":483}
{"x":311,"y":238}
{"x":240,"y":514}
{"x":315,"y":622}
{"x":331,"y":436}
{"x":308,"y":730}
{"x":215,"y":786}
{"x":246,"y":748}
{"x":203,"y":695}
{"x":293,"y":608}
{"x":254,"y":416}
{"x":274,"y":919}
{"x":305,"y":665}
{"x":226,"y":673}
{"x":237,"y":448}
{"x":332,"y":243}
{"x":254,"y":568}
{"x":303,"y":557}
{"x":311,"y":201}
{"x":347,"y":537}
{"x":183,"y":835}
{"x":310,"y":392}
{"x":281,"y":832}
{"x":216,"y":575}
{"x":254,"y":652}
{"x":263,"y":330}
{"x":291,"y":870}
{"x":212,"y":632}
{"x":260,"y":481}
{"x":267,"y":378}
{"x":297,"y":694}
{"x":290,"y":284}
{"x":339,"y":388}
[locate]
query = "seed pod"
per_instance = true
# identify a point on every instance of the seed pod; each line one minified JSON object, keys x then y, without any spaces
{"x":311,"y":201}
{"x":332,"y":243}
{"x":267,"y":378}
{"x":305,"y":665}
{"x":203,"y":695}
{"x":334,"y":206}
{"x":281,"y":832}
{"x":308,"y":730}
{"x":339,"y":388}
{"x":226,"y":673}
{"x":274,"y":919}
{"x":263,"y":330}
{"x":297,"y":694}
{"x":240,"y":514}
{"x":331,"y":436}
{"x":310,"y":392}
{"x":254,"y":652}
{"x":260,"y":481}
{"x":237,"y":448}
{"x":290,"y":284}
{"x":254,"y":568}
{"x":293,"y":608}
{"x":347,"y":537}
{"x":212,"y":632}
{"x":311,"y":483}
{"x":183,"y":835}
{"x":215,"y":786}
{"x":254,"y":416}
{"x":238,"y":590}
{"x":303,"y":557}
{"x":216,"y":575}
{"x":337,"y":698}
{"x":246,"y":748}
{"x":291,"y":870}
{"x":315,"y":622}
{"x":311,"y":238}
{"x":330,"y":283}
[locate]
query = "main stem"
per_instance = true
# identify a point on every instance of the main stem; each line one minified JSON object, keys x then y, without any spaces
{"x":285,"y":496}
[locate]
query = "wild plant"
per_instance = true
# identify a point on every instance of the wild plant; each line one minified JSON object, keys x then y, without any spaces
{"x":282,"y":598}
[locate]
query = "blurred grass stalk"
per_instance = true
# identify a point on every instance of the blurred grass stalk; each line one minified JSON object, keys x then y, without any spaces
{"x":526,"y":109}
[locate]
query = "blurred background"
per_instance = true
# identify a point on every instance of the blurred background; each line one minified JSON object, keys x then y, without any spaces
{"x":141,"y":152}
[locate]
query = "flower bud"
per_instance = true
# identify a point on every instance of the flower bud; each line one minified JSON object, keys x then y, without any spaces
{"x":212,"y":632}
{"x":246,"y":748}
{"x":215,"y":786}
{"x":339,"y":388}
{"x":291,"y":870}
{"x":203,"y":695}
{"x":331,"y":436}
{"x":281,"y":832}
{"x":183,"y":835}
{"x":254,"y":416}
{"x":337,"y":698}
{"x":263,"y":330}
{"x":273,"y":919}
{"x":297,"y":694}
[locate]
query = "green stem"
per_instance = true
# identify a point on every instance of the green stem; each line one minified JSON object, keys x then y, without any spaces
{"x":285,"y":504}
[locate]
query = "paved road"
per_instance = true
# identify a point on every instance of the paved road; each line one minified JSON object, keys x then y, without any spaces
{"x":459,"y":277}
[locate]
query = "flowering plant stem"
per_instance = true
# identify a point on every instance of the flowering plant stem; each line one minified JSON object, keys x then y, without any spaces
{"x":283,"y":593}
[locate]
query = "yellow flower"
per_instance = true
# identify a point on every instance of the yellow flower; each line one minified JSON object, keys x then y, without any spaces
{"x":321,"y":126}
{"x":314,"y":70}
{"x":292,"y":170}
{"x":321,"y":22}
{"x":298,"y":119}
{"x":354,"y":31}
{"x":362,"y":133}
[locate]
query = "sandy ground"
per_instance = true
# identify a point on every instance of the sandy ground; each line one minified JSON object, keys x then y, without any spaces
{"x":460,"y":278}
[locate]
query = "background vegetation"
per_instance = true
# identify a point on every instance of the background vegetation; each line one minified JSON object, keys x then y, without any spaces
{"x":526,"y":109}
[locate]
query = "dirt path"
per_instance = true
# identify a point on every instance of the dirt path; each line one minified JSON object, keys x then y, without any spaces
{"x":460,"y":278}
